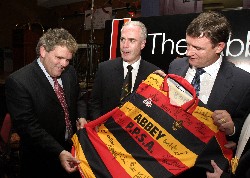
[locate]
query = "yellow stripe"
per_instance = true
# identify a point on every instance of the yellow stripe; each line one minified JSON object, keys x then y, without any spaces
{"x":205,"y":116}
{"x":126,"y":160}
{"x":155,"y":81}
{"x":168,"y":142}
{"x":84,"y":165}
{"x":234,"y":164}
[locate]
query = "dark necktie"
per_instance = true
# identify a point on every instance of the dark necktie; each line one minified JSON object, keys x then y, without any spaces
{"x":127,"y":84}
{"x":60,"y":95}
{"x":196,"y":80}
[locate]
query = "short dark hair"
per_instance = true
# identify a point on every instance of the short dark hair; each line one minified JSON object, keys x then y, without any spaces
{"x":212,"y":25}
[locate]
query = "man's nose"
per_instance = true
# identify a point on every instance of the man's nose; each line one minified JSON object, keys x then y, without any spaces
{"x":190,"y":51}
{"x":64,"y":62}
{"x":125,"y":43}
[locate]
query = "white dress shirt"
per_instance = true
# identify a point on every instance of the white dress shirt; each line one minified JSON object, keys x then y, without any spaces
{"x":134,"y":71}
{"x":47,"y":75}
{"x":206,"y":79}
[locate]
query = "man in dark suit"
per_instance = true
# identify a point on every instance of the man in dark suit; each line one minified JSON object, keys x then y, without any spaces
{"x":223,"y":87}
{"x":109,"y":78}
{"x":36,"y":111}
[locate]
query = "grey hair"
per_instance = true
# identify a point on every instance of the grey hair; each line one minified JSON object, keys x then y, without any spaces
{"x":57,"y":37}
{"x":139,"y":24}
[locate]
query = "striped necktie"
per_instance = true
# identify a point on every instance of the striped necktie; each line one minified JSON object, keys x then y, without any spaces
{"x":60,"y":95}
{"x":196,"y":80}
{"x":127,"y":84}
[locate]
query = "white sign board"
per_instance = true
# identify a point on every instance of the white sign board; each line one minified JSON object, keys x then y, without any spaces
{"x":171,"y":7}
{"x":99,"y":17}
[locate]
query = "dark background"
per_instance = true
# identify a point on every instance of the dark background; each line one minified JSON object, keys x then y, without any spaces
{"x":174,"y":27}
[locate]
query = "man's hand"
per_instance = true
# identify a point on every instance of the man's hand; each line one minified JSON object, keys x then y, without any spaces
{"x":230,"y":145}
{"x":224,"y":121}
{"x":80,"y":123}
{"x":217,"y":171}
{"x":160,"y":72}
{"x":68,"y":162}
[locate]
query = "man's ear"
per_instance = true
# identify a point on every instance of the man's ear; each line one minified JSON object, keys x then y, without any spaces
{"x":143,"y":43}
{"x":42,"y":51}
{"x":220,"y":46}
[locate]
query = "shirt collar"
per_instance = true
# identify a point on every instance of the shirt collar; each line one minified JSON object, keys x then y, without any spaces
{"x":43,"y":68}
{"x":214,"y":68}
{"x":134,"y":65}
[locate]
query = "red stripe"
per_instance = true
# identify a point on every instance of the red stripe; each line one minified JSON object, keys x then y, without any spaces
{"x":107,"y":157}
{"x":101,"y":119}
{"x":73,"y":152}
{"x":114,"y":36}
{"x":199,"y":129}
{"x":190,"y":105}
{"x":171,"y":163}
{"x":221,"y":139}
{"x":126,"y":20}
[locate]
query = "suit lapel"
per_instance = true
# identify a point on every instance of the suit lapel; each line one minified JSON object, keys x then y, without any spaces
{"x":117,"y":75}
{"x":43,"y":83}
{"x":66,"y":86}
{"x":222,"y":86}
{"x":140,"y":75}
{"x":142,"y":72}
{"x":182,"y":70}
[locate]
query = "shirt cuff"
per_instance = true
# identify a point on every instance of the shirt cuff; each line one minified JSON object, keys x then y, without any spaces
{"x":233,"y":132}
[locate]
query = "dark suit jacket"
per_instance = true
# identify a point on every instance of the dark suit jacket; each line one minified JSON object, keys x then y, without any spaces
{"x":39,"y":118}
{"x":231,"y":92}
{"x":108,"y":82}
{"x":243,"y":168}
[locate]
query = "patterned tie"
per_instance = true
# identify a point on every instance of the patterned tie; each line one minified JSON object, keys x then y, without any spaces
{"x":60,"y":94}
{"x":127,"y":84}
{"x":196,"y":80}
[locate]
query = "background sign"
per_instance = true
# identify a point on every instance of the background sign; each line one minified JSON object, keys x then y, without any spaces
{"x":99,"y":17}
{"x":166,"y":38}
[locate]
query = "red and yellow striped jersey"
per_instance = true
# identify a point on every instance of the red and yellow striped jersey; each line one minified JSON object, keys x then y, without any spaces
{"x":148,"y":136}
